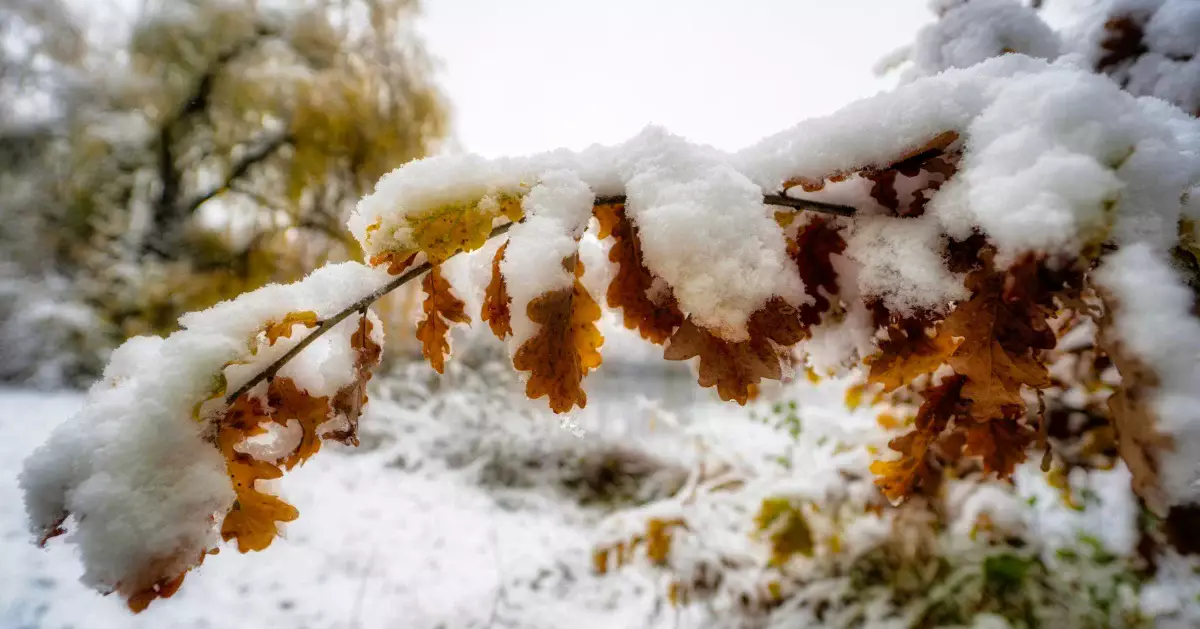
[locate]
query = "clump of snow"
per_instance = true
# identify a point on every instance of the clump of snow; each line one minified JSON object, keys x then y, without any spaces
{"x":1153,"y":51}
{"x":557,"y":211}
{"x":705,"y":231}
{"x":902,"y":264}
{"x":136,"y":468}
{"x":971,"y":31}
{"x":1155,"y":323}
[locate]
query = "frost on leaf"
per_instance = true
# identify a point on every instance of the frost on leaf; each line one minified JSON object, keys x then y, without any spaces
{"x":497,"y":304}
{"x":565,"y":347}
{"x":441,"y":308}
{"x":654,"y":315}
{"x":915,"y":467}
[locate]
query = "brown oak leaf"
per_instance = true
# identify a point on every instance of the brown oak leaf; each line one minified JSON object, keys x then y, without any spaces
{"x":253,"y":517}
{"x":914,"y":469}
{"x":654,"y":316}
{"x":1000,"y":443}
{"x":999,"y":352}
{"x":441,"y":309}
{"x":565,"y":347}
{"x":496,"y":301}
{"x":812,"y":250}
{"x":734,"y":368}
{"x":349,"y":400}
{"x":908,"y":353}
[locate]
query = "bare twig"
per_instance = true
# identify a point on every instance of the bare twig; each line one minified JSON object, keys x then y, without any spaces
{"x":327,"y":324}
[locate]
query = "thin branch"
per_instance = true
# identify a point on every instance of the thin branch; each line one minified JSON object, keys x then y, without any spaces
{"x":327,"y":324}
{"x":240,"y":167}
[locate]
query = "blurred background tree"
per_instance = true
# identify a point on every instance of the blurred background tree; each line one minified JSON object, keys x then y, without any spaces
{"x":216,"y":146}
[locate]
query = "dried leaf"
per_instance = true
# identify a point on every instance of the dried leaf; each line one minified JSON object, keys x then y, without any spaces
{"x":349,"y":401}
{"x":496,"y":301}
{"x":441,"y":309}
{"x":999,"y":351}
{"x":654,"y":316}
{"x":565,"y":347}
{"x":733,"y":367}
{"x":899,"y":478}
{"x":397,"y":261}
{"x":283,"y":328}
{"x":908,"y":353}
{"x":812,"y":251}
{"x":253,"y":517}
{"x":1001,"y":443}
{"x":289,"y":402}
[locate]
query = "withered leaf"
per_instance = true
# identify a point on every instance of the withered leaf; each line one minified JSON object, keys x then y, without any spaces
{"x":565,"y":347}
{"x":441,"y":308}
{"x":654,"y":318}
{"x":999,"y":352}
{"x":349,"y":401}
{"x":812,"y":251}
{"x":1000,"y":443}
{"x":908,"y":353}
{"x":899,"y":478}
{"x":275,"y":330}
{"x":496,"y":301}
{"x":734,"y":368}
{"x":397,"y":261}
{"x":289,"y":402}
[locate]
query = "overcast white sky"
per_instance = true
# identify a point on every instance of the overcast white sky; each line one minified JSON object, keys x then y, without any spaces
{"x":533,"y":75}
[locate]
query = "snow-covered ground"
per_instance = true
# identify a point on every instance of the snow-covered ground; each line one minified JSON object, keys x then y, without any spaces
{"x":378,"y":544}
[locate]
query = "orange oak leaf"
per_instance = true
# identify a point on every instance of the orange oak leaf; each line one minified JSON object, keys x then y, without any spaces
{"x":909,"y":352}
{"x":275,"y":330}
{"x":899,"y":478}
{"x":252,"y":518}
{"x":565,"y":347}
{"x":289,"y":402}
{"x":496,"y":302}
{"x":655,"y":315}
{"x":441,"y":309}
{"x":397,"y":261}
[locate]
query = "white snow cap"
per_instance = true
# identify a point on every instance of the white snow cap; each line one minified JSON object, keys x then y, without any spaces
{"x":970,"y":31}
